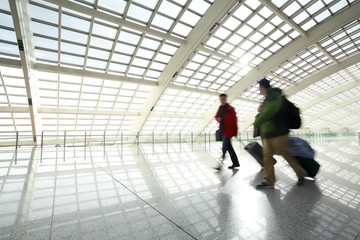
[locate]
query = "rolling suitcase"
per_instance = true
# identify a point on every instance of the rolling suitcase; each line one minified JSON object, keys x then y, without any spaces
{"x":255,"y":150}
{"x":310,"y":165}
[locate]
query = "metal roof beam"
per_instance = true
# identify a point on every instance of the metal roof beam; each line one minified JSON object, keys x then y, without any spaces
{"x":117,"y":20}
{"x":329,"y":94}
{"x":322,"y":74}
{"x":215,"y":12}
{"x":282,"y":55}
{"x":283,"y":16}
{"x":7,"y":62}
{"x":91,"y":74}
{"x":85,"y":112}
{"x":326,"y":111}
{"x":311,"y":80}
{"x":14,"y":109}
{"x":20,"y":13}
{"x":351,"y":122}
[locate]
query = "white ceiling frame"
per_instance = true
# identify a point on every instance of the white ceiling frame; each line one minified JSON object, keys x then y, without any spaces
{"x":337,"y":118}
{"x":8,"y":99}
{"x":7,"y":62}
{"x":46,"y":110}
{"x":117,"y":20}
{"x":20,"y":13}
{"x":313,"y":36}
{"x":330,"y":109}
{"x":329,"y":94}
{"x":311,"y":80}
{"x":91,"y":74}
{"x":214,"y":13}
{"x":14,"y":109}
{"x":204,"y":91}
{"x":351,"y":122}
{"x":283,"y":16}
{"x":323,"y":74}
{"x":86,"y":111}
{"x":154,"y":114}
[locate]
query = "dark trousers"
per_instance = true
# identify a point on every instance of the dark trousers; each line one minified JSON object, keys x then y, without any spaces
{"x":227,"y":146}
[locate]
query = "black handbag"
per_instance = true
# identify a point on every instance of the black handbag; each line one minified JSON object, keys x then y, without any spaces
{"x":218,"y":136}
{"x":256,"y":132}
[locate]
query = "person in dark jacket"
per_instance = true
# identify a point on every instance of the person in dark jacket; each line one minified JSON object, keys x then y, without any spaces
{"x":226,"y":116}
{"x":274,"y":132}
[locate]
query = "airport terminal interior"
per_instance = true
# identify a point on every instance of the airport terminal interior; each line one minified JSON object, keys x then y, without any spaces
{"x":108,"y":129}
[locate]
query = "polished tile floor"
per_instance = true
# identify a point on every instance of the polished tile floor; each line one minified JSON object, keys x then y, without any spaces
{"x":164,"y":192}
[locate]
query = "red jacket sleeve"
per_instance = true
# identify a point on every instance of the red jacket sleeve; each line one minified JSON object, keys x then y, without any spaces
{"x":234,"y":119}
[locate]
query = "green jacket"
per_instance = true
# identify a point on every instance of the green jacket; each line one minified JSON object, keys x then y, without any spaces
{"x":272,"y":119}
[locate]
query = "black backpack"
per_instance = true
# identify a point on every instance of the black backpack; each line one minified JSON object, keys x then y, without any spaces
{"x":292,"y":114}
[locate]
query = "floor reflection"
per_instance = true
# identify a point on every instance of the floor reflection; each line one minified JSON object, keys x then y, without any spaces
{"x":163,"y":193}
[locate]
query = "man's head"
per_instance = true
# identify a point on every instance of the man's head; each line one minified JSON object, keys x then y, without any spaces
{"x":223,"y":99}
{"x":264,"y":85}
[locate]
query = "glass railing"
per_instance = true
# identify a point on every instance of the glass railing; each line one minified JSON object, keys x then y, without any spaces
{"x":8,"y":139}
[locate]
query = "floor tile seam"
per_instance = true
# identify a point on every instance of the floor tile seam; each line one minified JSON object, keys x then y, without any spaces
{"x":147,"y":203}
{"x":310,"y":225}
{"x":53,"y":204}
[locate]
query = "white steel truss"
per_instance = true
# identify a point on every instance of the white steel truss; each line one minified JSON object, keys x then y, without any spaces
{"x":213,"y":14}
{"x":145,"y":68}
{"x":22,"y":24}
{"x":312,"y":37}
{"x":311,"y":80}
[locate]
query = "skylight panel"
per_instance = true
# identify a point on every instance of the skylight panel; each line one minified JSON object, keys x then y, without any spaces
{"x":101,"y":43}
{"x":338,"y":6}
{"x":149,"y":43}
{"x":169,"y":49}
{"x":7,"y":35}
{"x":72,"y":48}
{"x":181,"y":29}
{"x":69,"y":59}
{"x":255,"y":21}
{"x":162,"y":22}
{"x":308,"y":25}
{"x":190,"y":18}
{"x":44,"y":14}
{"x":232,"y":23}
{"x":222,"y":33}
{"x":167,"y":7}
{"x":129,"y":38}
{"x":46,"y":56}
{"x":102,"y":30}
{"x":199,"y":6}
{"x":315,"y":7}
{"x":73,"y":36}
{"x":254,"y":4}
{"x":8,"y":49}
{"x":120,"y":58}
{"x":139,"y":13}
{"x":343,"y":42}
{"x":75,"y":23}
{"x":6,"y":20}
{"x":243,"y":12}
{"x":98,"y":53}
{"x":149,"y":3}
{"x":145,"y":53}
{"x":116,"y":6}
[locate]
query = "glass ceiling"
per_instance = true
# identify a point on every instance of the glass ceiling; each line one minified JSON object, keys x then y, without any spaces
{"x":137,"y":39}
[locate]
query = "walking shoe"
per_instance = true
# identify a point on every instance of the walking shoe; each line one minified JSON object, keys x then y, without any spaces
{"x":234,"y":166}
{"x":264,"y":186}
{"x":300,"y":181}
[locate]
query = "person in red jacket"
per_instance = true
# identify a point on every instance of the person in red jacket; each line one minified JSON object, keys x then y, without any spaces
{"x":226,"y":116}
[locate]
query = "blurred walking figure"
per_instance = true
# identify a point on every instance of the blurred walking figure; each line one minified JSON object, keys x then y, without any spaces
{"x":226,"y":116}
{"x":274,"y":131}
